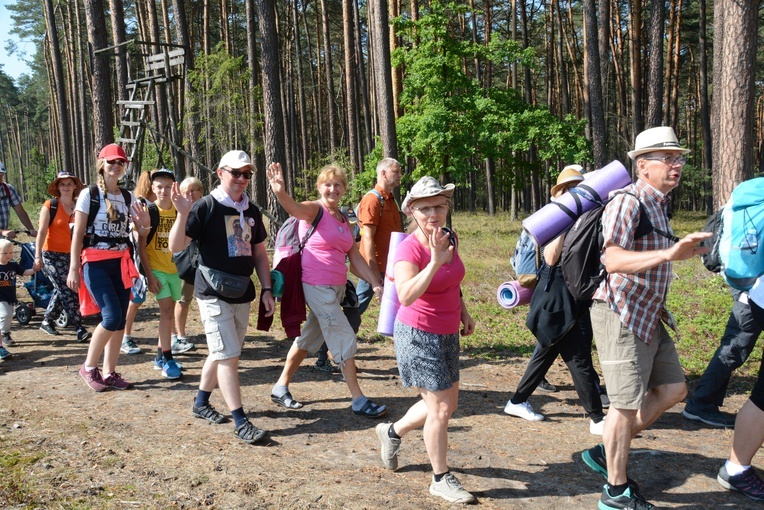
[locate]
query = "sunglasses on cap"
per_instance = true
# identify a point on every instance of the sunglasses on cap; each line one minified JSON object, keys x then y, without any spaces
{"x":236,"y":174}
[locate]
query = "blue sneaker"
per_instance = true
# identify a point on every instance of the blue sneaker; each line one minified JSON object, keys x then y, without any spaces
{"x":4,"y":354}
{"x":159,"y":364}
{"x":171,"y":370}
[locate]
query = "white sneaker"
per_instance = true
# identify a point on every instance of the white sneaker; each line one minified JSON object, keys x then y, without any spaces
{"x":451,"y":490}
{"x":523,"y":410}
{"x":596,"y":428}
{"x":181,"y":345}
{"x":129,"y":346}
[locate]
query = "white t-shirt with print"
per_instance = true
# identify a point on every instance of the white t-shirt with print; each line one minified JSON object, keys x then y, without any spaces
{"x":103,"y":226}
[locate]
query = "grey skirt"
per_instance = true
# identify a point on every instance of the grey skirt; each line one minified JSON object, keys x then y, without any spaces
{"x":426,"y":360}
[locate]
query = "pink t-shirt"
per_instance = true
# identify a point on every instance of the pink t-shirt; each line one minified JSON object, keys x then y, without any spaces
{"x":323,"y":258}
{"x":439,"y":309}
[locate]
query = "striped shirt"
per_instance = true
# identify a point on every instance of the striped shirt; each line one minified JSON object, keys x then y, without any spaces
{"x":638,"y":299}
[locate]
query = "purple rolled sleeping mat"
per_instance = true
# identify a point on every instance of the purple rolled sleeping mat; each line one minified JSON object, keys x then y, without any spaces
{"x":512,"y":294}
{"x":388,"y":308}
{"x":555,"y":217}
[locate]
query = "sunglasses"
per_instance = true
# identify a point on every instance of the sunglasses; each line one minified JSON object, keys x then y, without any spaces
{"x":238,"y":175}
{"x":669,"y":160}
{"x":120,"y":162}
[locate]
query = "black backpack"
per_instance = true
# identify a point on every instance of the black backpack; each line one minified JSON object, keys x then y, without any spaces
{"x":711,"y":260}
{"x":581,"y":266}
{"x":95,"y":203}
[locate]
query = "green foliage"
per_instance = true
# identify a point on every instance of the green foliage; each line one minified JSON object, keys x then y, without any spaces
{"x":451,"y":121}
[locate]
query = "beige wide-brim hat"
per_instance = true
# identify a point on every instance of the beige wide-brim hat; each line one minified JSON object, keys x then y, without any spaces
{"x":53,"y":186}
{"x":656,"y":139}
{"x":424,"y":188}
{"x":571,"y":173}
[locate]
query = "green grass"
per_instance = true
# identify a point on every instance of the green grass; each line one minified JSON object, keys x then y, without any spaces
{"x":699,"y":300}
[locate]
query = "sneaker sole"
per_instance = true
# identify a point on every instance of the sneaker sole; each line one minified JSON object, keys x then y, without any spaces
{"x":523,"y":417}
{"x":164,"y":374}
{"x":130,"y":351}
{"x":465,"y":500}
{"x":49,"y":333}
{"x":391,"y":464}
{"x":698,"y":418}
{"x":593,"y":465}
{"x":724,"y":483}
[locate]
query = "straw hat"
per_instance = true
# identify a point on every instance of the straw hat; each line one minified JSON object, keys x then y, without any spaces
{"x":53,"y":186}
{"x":571,"y":173}
{"x":656,"y":139}
{"x":424,"y":188}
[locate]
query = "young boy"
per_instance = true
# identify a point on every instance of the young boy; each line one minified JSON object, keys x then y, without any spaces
{"x":8,"y":271}
{"x":161,"y":273}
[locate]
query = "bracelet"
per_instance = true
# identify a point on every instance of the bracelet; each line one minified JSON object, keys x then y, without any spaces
{"x":267,"y":289}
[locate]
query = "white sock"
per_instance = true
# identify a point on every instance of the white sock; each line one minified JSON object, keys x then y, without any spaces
{"x":734,"y":469}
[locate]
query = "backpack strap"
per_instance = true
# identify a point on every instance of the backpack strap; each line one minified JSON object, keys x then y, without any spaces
{"x":582,"y":191}
{"x":53,"y":207}
{"x":645,"y":226}
{"x":7,"y":191}
{"x":95,"y":204}
{"x":381,"y":200}
{"x":312,"y":227}
{"x":154,"y":222}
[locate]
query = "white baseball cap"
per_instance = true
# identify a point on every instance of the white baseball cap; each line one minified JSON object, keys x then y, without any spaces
{"x":235,"y":160}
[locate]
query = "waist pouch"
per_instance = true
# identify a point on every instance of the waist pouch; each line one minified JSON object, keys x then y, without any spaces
{"x":226,"y":284}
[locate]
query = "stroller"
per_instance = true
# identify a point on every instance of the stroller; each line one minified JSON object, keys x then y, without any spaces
{"x":39,"y":287}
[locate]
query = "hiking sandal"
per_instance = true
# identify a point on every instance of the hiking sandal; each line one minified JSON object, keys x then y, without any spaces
{"x":286,"y":401}
{"x":371,"y":410}
{"x":248,"y":432}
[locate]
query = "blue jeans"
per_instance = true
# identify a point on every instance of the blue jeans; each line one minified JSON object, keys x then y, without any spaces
{"x":104,"y":281}
{"x":365,"y":294}
{"x":736,"y":345}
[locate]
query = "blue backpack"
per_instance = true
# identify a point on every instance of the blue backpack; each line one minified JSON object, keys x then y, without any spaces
{"x":743,"y":235}
{"x":526,"y":260}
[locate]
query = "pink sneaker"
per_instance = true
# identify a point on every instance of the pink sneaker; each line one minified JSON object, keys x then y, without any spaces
{"x":93,"y":378}
{"x":114,"y":380}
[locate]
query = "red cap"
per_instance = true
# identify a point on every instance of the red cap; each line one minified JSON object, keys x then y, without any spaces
{"x":112,"y":151}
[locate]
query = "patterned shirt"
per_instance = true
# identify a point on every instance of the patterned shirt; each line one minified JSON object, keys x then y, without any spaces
{"x":638,"y":299}
{"x":6,"y":202}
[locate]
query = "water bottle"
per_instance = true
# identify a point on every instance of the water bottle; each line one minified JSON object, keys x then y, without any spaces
{"x":751,"y":240}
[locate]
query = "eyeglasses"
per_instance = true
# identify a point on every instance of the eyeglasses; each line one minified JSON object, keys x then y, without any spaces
{"x":437,"y":209}
{"x":120,"y":162}
{"x":238,"y":175}
{"x":669,"y":160}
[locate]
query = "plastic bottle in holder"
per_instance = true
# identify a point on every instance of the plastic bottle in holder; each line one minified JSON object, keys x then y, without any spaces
{"x":751,"y":240}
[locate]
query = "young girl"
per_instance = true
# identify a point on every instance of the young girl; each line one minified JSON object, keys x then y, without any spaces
{"x":8,"y":271}
{"x":105,"y":264}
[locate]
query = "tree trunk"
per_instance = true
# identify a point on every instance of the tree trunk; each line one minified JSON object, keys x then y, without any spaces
{"x":383,"y":80}
{"x":274,"y":124}
{"x":100,"y":91}
{"x":192,"y":120}
{"x":351,"y":68}
{"x":117,"y":12}
{"x":636,"y":69}
{"x":59,"y":82}
{"x":305,"y":141}
{"x":596,"y":106}
{"x":332,"y":106}
{"x":362,"y":85}
{"x":705,"y":115}
{"x":738,"y":58}
{"x":655,"y":65}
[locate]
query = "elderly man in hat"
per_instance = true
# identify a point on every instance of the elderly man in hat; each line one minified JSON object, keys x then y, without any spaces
{"x":629,"y":316}
{"x":9,"y":197}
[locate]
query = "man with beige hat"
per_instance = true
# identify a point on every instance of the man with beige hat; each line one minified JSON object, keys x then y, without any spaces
{"x":629,"y":316}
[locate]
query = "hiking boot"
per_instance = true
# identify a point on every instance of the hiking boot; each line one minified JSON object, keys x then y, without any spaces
{"x":596,"y":427}
{"x":629,"y":499}
{"x":115,"y":381}
{"x":7,"y":340}
{"x":209,"y":413}
{"x":129,"y":346}
{"x":83,"y":335}
{"x":93,"y":378}
{"x":181,"y":345}
{"x":248,"y":432}
{"x":326,"y":366}
{"x":748,"y":483}
{"x":595,"y":459}
{"x":714,"y":418}
{"x":171,"y":370}
{"x":546,"y":386}
{"x":523,"y":410}
{"x":4,"y":354}
{"x":49,"y":328}
{"x":389,"y":446}
{"x":451,"y":490}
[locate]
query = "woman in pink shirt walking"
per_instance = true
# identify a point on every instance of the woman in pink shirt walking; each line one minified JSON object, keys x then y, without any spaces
{"x":428,"y":275}
{"x":324,"y":275}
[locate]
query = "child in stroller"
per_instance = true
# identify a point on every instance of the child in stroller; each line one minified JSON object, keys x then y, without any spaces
{"x":39,"y":287}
